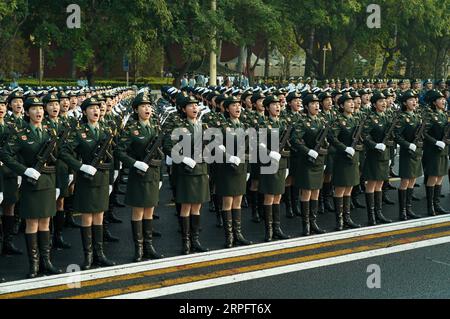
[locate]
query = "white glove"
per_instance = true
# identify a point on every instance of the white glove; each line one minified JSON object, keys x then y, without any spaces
{"x":247,"y":178}
{"x":58,"y":192}
{"x":189,"y":162}
{"x":88,"y":169}
{"x":235,"y":160}
{"x":440,"y":144}
{"x":110,"y":189}
{"x":412,"y":147}
{"x":116,"y":174}
{"x":380,"y":146}
{"x":169,"y":160}
{"x":1,"y":197}
{"x":324,"y":167}
{"x":70,"y":179}
{"x":120,"y":165}
{"x":32,"y":173}
{"x":275,"y":155}
{"x":287,"y":173}
{"x":19,"y":181}
{"x":141,"y":166}
{"x":350,"y":150}
{"x":313,"y":154}
{"x":160,"y":184}
{"x":222,"y":148}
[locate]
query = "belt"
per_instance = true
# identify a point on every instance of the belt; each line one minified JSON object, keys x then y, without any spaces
{"x":48,"y":170}
{"x":104,"y":166}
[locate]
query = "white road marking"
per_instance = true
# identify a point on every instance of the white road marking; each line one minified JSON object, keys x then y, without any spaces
{"x":278,"y":270}
{"x":99,"y":273}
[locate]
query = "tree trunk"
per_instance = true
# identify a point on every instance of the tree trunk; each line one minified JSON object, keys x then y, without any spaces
{"x":219,"y":51}
{"x":309,"y":53}
{"x":178,"y":74}
{"x":241,"y":58}
{"x":267,"y":61}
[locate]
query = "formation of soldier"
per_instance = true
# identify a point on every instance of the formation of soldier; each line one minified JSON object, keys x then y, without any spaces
{"x":65,"y":150}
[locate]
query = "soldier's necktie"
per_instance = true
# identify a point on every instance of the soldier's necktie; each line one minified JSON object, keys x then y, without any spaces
{"x":39,"y":134}
{"x":96,"y":133}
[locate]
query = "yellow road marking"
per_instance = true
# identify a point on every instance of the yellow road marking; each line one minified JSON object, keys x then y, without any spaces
{"x":96,"y":282}
{"x":268,"y":265}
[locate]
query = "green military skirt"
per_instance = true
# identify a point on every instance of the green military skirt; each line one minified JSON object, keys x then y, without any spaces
{"x":329,"y":160}
{"x":410,"y":166}
{"x":435,"y":161}
{"x":143,"y":191}
{"x":376,"y":165}
{"x":308,"y":175}
{"x":62,"y":178}
{"x":38,"y":201}
{"x":345,"y":170}
{"x":91,"y":196}
{"x":10,"y":187}
{"x":231,"y":181}
{"x":272,"y":184}
{"x":190,"y":188}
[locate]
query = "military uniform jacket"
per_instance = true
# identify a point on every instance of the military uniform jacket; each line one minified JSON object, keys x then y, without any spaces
{"x":410,"y":165}
{"x":374,"y":132}
{"x":132,"y":147}
{"x":82,"y":144}
{"x":435,"y":160}
{"x":345,"y":169}
{"x":37,"y":201}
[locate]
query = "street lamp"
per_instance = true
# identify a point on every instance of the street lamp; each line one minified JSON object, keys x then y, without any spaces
{"x":326,"y":47}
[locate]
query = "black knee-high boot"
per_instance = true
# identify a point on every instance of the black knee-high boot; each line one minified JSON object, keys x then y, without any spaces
{"x":149,"y":233}
{"x":237,"y":228}
{"x":288,"y":202}
{"x":277,"y":232}
{"x":33,"y":254}
{"x":136,"y":227}
{"x":99,"y":255}
{"x":195,"y":235}
{"x":46,"y":265}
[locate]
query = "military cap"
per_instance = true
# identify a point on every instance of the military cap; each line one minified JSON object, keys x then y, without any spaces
{"x":188,"y":100}
{"x":220,"y":98}
{"x":246,"y":94}
{"x":435,"y":95}
{"x":108,"y":95}
{"x":438,"y":82}
{"x":428,"y":81}
{"x":257,"y":96}
{"x":230,"y":100}
{"x":407,"y":95}
{"x":236,"y":92}
{"x":50,"y":97}
{"x":324,"y":95}
{"x":63,"y":95}
{"x":280,"y":91}
{"x":140,"y":99}
{"x":211,"y":95}
{"x":89,"y":102}
{"x":100,"y":97}
{"x":32,"y":101}
{"x":388,"y":92}
{"x":292,"y":96}
{"x":377,"y":96}
{"x":354,"y":94}
{"x":336,"y":92}
{"x":270,"y":99}
{"x":15,"y":95}
{"x":310,"y":98}
{"x":364,"y":91}
{"x":2,"y":99}
{"x":344,"y":97}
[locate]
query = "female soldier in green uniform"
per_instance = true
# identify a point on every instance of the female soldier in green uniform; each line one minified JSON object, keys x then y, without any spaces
{"x":192,"y":185}
{"x":92,"y":184}
{"x":327,"y":112}
{"x":37,"y":192}
{"x":309,"y":165}
{"x":292,"y":115}
{"x":142,"y":192}
{"x":346,"y":161}
{"x":232,"y":173}
{"x":256,"y":198}
{"x":272,"y":185}
{"x":52,"y":120}
{"x":410,"y":152}
{"x":14,"y":123}
{"x":376,"y":164}
{"x":435,"y":150}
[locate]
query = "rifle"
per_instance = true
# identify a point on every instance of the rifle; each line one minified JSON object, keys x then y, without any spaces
{"x":418,"y":136}
{"x":152,"y":147}
{"x":43,"y":155}
{"x":390,"y":130}
{"x":285,"y":137}
{"x":319,"y":141}
{"x":101,"y":149}
{"x":357,"y":135}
